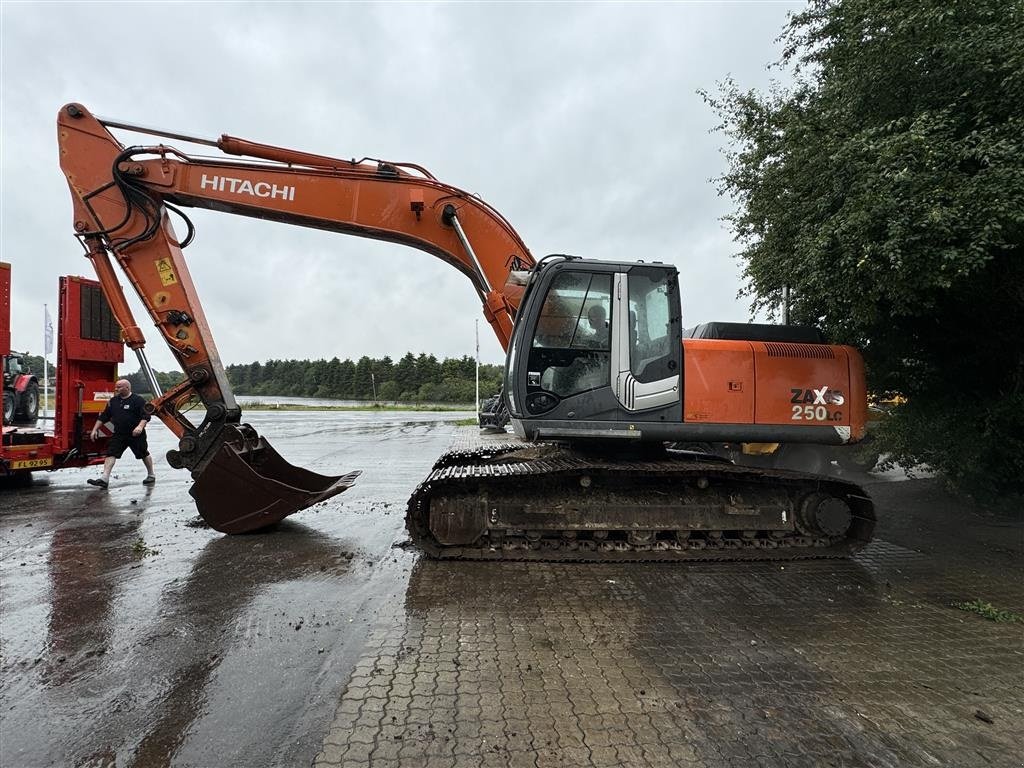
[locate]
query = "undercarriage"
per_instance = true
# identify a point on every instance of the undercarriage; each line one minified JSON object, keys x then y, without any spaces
{"x":550,"y":502}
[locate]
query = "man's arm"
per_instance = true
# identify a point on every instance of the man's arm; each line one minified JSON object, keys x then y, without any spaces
{"x":100,"y":420}
{"x":142,"y":421}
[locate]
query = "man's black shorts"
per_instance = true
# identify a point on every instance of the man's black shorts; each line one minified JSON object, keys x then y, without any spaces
{"x":118,"y":443}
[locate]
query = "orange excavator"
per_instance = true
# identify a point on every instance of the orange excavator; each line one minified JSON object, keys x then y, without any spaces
{"x":598,"y":375}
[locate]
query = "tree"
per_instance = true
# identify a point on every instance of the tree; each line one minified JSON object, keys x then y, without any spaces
{"x":334,"y":383}
{"x":491,"y":377}
{"x":140,"y":385}
{"x":314,"y":379}
{"x":255,"y":375}
{"x":886,"y":188}
{"x":428,"y":370}
{"x":405,"y":374}
{"x":458,"y":368}
{"x":362,"y":382}
{"x":35,"y":364}
{"x":168,"y":379}
{"x":384,"y":369}
{"x":347,"y":377}
{"x":389,"y":391}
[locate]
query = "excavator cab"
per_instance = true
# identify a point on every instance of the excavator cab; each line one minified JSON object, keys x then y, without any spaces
{"x":596,"y":352}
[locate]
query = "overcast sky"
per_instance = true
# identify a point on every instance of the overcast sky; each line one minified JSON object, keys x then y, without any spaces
{"x":579,"y":122}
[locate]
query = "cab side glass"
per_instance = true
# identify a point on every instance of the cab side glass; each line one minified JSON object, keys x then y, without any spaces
{"x":571,"y":344}
{"x":650,"y":332}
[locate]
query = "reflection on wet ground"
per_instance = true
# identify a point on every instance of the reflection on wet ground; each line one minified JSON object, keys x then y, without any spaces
{"x":133,"y":637}
{"x":81,"y":558}
{"x":198,"y":625}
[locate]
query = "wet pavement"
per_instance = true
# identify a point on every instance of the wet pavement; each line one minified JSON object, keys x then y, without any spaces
{"x":132,"y":636}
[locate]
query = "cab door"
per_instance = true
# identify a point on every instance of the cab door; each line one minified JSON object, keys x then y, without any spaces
{"x":646,"y":351}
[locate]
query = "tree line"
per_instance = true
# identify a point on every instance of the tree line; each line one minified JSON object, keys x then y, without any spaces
{"x":413,"y":379}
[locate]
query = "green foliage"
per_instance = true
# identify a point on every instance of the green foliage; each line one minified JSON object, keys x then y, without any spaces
{"x":414,"y":379}
{"x":35,"y":364}
{"x":166,"y":380}
{"x":990,"y":612}
{"x":258,"y":405}
{"x":976,"y":448}
{"x":886,"y":189}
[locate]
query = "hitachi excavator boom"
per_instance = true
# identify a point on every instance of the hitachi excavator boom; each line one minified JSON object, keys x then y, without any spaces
{"x":122,"y":199}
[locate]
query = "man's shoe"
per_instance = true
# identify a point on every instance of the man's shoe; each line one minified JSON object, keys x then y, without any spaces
{"x":149,"y":480}
{"x":99,"y":482}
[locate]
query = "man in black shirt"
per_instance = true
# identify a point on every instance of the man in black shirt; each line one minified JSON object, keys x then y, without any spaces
{"x":129,"y":418}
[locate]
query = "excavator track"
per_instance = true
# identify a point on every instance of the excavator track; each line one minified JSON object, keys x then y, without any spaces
{"x":550,"y":503}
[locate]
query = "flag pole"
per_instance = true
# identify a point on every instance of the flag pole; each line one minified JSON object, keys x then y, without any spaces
{"x":476,"y":330}
{"x":47,"y":343}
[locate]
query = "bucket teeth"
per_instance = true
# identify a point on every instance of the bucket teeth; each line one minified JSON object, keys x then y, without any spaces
{"x":247,"y":486}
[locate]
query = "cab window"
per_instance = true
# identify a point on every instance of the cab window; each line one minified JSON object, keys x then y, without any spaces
{"x":651,"y":299}
{"x":571,"y":344}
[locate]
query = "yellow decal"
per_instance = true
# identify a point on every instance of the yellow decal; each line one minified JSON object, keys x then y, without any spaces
{"x":165,"y":269}
{"x":31,"y":463}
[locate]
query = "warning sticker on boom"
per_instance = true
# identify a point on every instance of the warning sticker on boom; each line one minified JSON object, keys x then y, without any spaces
{"x":165,"y":269}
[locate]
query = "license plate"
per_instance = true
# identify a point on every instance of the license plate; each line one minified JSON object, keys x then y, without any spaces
{"x":31,"y":463}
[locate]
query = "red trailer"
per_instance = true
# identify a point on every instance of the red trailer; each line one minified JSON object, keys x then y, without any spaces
{"x":89,"y":347}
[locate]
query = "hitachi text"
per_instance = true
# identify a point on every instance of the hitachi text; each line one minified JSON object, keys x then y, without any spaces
{"x":246,"y":187}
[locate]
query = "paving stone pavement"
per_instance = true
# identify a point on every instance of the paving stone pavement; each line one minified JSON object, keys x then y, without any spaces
{"x":859,"y":662}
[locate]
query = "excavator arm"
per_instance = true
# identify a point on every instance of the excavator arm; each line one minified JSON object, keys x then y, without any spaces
{"x":123,"y":197}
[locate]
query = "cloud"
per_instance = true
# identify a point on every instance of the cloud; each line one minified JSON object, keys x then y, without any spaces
{"x":579,"y":122}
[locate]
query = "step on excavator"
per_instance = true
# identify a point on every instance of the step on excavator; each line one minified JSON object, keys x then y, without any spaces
{"x":598,"y":376}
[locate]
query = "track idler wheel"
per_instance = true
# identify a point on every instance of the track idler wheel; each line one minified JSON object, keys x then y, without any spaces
{"x":823,"y":515}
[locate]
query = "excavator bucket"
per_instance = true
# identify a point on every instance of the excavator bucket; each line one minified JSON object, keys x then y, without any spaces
{"x":248,"y":486}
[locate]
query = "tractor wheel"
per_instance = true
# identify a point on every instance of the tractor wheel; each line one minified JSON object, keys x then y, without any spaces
{"x":28,"y":408}
{"x":8,"y":407}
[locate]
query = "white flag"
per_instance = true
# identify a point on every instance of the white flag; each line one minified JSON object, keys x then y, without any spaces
{"x":47,"y":332}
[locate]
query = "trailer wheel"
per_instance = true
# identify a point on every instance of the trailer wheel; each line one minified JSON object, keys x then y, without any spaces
{"x":19,"y":479}
{"x":29,"y":406}
{"x":8,"y":407}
